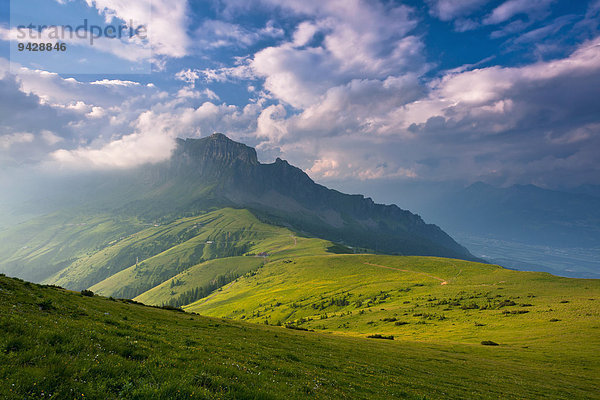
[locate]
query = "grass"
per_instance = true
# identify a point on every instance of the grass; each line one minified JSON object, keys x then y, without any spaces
{"x":42,"y":247}
{"x":91,"y":347}
{"x":220,"y":234}
{"x":528,"y":335}
{"x":198,"y":276}
{"x":361,"y":295}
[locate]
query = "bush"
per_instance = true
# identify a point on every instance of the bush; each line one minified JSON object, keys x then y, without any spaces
{"x":399,"y":323}
{"x":171,"y":308}
{"x":45,"y":305}
{"x":379,"y":336}
{"x":506,"y":303}
{"x":298,"y":328}
{"x":87,"y":293}
{"x":489,"y":343}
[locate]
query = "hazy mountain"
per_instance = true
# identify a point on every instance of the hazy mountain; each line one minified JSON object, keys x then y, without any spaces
{"x":522,"y":213}
{"x":96,"y":225}
{"x":216,"y":171}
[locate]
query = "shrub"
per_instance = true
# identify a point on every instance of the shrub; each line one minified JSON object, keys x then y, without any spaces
{"x":87,"y":293}
{"x":45,"y":305}
{"x":380,"y":336}
{"x":554,"y":320}
{"x":399,"y":323}
{"x":515,"y":312}
{"x":506,"y":303}
{"x":471,"y":306}
{"x":489,"y":343}
{"x":171,"y":308}
{"x":297,"y":328}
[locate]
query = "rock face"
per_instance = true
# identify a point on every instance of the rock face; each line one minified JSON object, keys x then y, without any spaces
{"x":216,"y":171}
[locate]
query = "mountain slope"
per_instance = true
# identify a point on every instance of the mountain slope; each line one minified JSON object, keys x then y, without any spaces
{"x":41,"y":247}
{"x":421,"y":298}
{"x":207,"y":276}
{"x":59,"y":344}
{"x":220,"y":234}
{"x":284,"y":194}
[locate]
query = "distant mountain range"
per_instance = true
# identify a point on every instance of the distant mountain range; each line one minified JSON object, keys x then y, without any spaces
{"x":521,"y":213}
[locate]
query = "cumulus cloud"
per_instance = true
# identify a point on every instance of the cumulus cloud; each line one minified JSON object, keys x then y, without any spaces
{"x":167,"y":21}
{"x":214,"y":34}
{"x":6,"y":141}
{"x":358,"y":40}
{"x":345,"y":93}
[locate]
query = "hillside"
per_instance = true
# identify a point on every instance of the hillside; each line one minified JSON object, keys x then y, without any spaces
{"x":419,"y":298}
{"x":44,"y":246}
{"x":60,"y":344}
{"x":220,"y":234}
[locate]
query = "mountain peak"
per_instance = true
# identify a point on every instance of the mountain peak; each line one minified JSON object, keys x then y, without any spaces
{"x":284,"y":194}
{"x":216,"y":147}
{"x":219,"y":136}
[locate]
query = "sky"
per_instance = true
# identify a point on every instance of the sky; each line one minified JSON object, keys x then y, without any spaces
{"x":505,"y":92}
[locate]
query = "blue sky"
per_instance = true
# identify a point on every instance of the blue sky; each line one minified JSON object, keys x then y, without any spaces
{"x":350,"y":91}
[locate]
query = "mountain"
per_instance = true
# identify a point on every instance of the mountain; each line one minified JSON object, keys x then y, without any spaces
{"x":522,"y":226}
{"x":230,"y":174}
{"x":125,"y":233}
{"x":591,"y":190}
{"x":524,"y":213}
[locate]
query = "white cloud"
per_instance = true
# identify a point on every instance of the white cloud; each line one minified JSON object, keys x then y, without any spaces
{"x":360,"y":40}
{"x":129,"y":151}
{"x":324,"y":168}
{"x":51,"y":138}
{"x":167,"y":21}
{"x":447,"y":10}
{"x":115,"y":82}
{"x":510,"y":8}
{"x":7,"y":141}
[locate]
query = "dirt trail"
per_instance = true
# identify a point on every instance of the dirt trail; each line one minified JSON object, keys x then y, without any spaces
{"x":442,"y":281}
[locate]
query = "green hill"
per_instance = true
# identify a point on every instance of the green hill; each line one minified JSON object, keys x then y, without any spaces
{"x":43,"y":246}
{"x":208,"y":276}
{"x":220,"y":234}
{"x":423,"y":299}
{"x":60,"y":344}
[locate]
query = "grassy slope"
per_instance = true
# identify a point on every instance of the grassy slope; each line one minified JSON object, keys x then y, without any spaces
{"x":347,"y":295}
{"x":198,"y":276}
{"x":82,"y":347}
{"x":39,"y":248}
{"x":187,"y":233}
{"x":231,"y":233}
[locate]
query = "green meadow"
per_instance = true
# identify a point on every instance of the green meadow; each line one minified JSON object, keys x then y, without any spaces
{"x":239,"y":308}
{"x":423,"y":299}
{"x":64,"y":345}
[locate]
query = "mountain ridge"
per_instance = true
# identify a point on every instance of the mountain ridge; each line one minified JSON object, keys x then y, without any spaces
{"x":286,"y":194}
